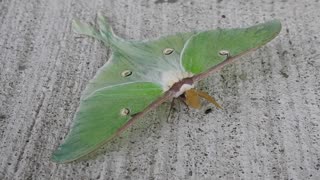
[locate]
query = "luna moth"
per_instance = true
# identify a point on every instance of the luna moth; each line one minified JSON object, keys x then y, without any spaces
{"x":141,"y":75}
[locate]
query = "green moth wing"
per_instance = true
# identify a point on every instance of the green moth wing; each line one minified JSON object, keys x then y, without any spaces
{"x":145,"y":60}
{"x":207,"y":49}
{"x":102,"y":114}
{"x":132,"y":79}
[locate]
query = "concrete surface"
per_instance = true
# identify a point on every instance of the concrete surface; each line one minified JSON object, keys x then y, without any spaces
{"x":269,"y":128}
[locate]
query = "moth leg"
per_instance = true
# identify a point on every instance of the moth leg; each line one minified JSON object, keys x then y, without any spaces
{"x":171,"y":108}
{"x":183,"y":100}
{"x":209,"y":98}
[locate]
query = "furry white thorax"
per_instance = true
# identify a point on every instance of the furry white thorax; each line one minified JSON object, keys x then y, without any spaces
{"x":168,"y":78}
{"x":183,"y":89}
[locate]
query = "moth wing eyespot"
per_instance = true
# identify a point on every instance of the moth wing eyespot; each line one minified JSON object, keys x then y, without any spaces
{"x":124,"y":112}
{"x":126,"y":73}
{"x":167,"y":51}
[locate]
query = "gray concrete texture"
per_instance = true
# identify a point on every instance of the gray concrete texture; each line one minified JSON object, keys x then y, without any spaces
{"x":269,"y":127}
